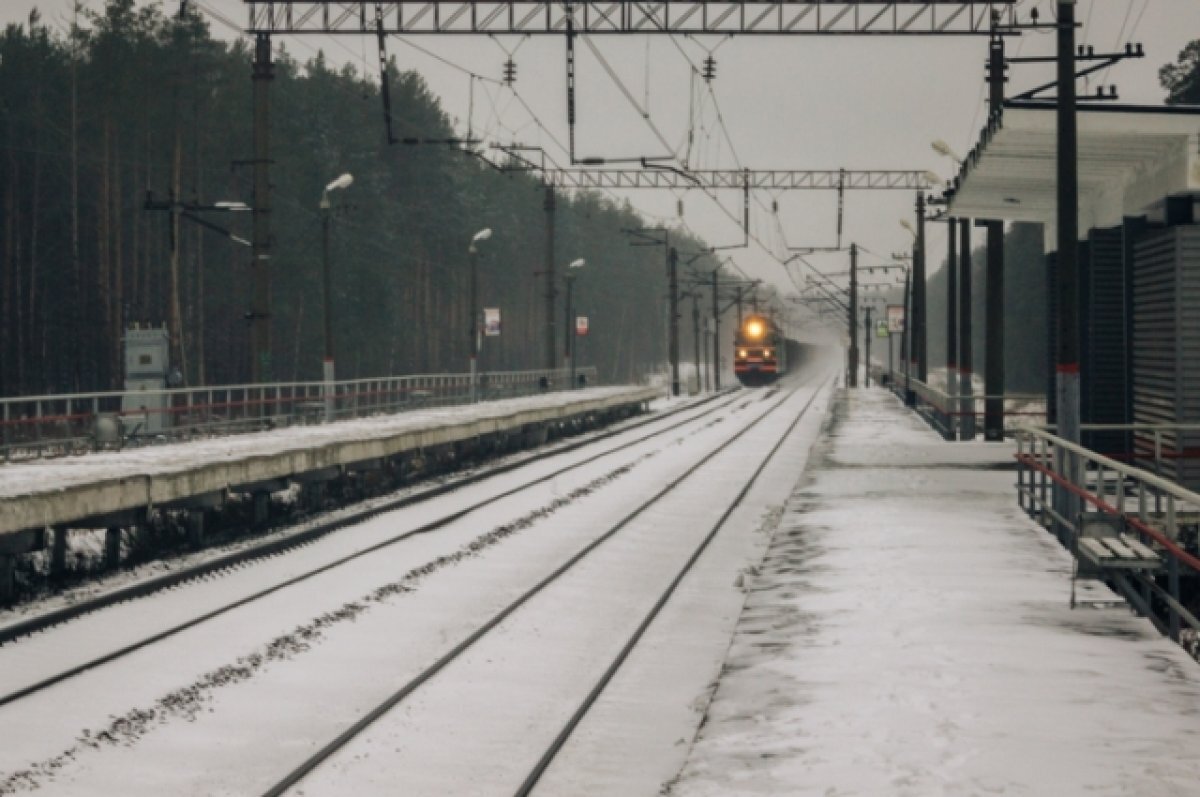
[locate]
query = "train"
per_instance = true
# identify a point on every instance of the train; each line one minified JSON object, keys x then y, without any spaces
{"x":760,"y":351}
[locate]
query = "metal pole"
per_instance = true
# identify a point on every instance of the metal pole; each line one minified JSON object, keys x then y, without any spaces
{"x":867,"y":335}
{"x":551,"y":294}
{"x":852,"y":370}
{"x":568,"y":328}
{"x":696,"y":334}
{"x":673,"y":263}
{"x":891,"y":344}
{"x":260,"y":266}
{"x":328,"y":320}
{"x":1067,"y":381}
{"x":716,"y":347}
{"x":920,"y":349}
{"x":966,"y":390}
{"x":951,"y":323}
{"x":473,"y":331}
{"x":907,"y":342}
{"x":993,"y":375}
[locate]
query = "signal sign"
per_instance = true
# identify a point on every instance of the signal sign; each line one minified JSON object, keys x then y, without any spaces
{"x":581,"y":325}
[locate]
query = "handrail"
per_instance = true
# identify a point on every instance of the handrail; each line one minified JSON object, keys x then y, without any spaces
{"x":33,"y":426}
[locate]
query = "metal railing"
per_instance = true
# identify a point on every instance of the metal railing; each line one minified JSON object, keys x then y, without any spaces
{"x":944,"y":411}
{"x":36,"y":426}
{"x":1059,"y":483}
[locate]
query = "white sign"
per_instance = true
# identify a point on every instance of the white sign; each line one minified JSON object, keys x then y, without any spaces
{"x":581,"y":325}
{"x":895,"y":318}
{"x":491,"y":321}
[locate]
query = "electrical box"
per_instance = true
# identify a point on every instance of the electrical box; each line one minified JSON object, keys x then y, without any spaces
{"x":145,"y":407}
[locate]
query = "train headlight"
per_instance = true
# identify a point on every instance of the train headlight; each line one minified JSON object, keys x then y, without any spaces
{"x":766,"y":352}
{"x":754,"y":328}
{"x":742,"y":353}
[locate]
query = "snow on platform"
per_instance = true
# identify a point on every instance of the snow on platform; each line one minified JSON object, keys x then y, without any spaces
{"x":49,"y":492}
{"x":910,"y":634}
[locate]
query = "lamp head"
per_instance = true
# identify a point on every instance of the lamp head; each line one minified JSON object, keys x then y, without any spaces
{"x":345,"y":181}
{"x":482,"y":235}
{"x":577,"y":263}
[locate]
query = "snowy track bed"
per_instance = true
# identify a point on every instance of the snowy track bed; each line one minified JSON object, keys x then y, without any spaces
{"x":229,"y":705}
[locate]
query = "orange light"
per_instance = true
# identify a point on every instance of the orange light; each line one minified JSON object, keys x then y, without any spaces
{"x":754,"y":328}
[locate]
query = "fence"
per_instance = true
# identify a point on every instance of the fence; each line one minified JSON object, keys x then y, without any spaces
{"x":944,"y":411}
{"x":1146,"y":519}
{"x":34,"y":426}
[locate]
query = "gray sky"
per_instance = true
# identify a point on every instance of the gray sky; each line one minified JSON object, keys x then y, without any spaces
{"x":788,"y":103}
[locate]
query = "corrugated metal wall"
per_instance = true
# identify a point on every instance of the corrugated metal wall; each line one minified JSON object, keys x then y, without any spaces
{"x":1166,"y":345}
{"x":1104,"y":394}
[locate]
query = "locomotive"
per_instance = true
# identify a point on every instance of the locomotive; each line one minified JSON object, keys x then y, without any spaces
{"x":759,"y":352}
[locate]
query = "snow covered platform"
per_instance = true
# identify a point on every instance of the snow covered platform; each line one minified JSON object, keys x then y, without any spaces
{"x":44,"y":493}
{"x":910,"y":634}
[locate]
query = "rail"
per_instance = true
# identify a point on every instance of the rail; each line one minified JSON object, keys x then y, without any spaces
{"x":47,"y":425}
{"x":1064,"y":485}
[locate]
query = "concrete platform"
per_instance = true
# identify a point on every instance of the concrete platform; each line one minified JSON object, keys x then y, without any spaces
{"x":46,"y":493}
{"x":910,"y":634}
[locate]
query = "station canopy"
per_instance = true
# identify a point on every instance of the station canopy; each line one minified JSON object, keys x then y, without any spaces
{"x":1131,"y":158}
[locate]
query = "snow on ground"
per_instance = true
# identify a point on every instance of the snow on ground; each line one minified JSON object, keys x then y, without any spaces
{"x":17,"y":479}
{"x":910,"y":634}
{"x":222,"y":707}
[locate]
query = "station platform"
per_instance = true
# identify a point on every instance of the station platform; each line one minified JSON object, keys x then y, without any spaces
{"x":116,"y":489}
{"x":910,"y":633}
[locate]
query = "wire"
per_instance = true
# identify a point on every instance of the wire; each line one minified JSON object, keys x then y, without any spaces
{"x":645,"y":114}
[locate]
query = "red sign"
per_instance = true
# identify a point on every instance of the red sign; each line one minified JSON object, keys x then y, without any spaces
{"x":581,"y":325}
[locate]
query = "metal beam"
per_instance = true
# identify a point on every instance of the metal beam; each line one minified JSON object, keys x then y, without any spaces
{"x":774,"y":17}
{"x":769,"y":179}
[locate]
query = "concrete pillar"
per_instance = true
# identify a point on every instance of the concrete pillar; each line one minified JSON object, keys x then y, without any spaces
{"x":58,"y":552}
{"x":262,"y":508}
{"x":195,"y":527}
{"x":112,"y":548}
{"x":8,"y":579}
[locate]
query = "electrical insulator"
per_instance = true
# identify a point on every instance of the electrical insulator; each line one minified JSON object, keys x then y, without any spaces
{"x":774,"y":205}
{"x":510,"y":72}
{"x":679,"y":207}
{"x":710,"y":69}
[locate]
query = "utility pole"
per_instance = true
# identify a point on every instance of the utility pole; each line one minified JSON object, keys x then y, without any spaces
{"x":867,"y":334}
{"x":696,"y":343}
{"x":920,"y":348}
{"x":951,"y":322}
{"x":716,"y":347}
{"x":672,"y":276}
{"x":260,"y":306}
{"x":906,"y":339}
{"x":993,"y":374}
{"x":1067,"y":361}
{"x":966,"y":390}
{"x":852,"y":370}
{"x":548,"y":206}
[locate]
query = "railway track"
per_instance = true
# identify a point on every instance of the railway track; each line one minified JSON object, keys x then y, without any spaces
{"x":662,"y":424}
{"x":527,"y":786}
{"x":596,"y":471}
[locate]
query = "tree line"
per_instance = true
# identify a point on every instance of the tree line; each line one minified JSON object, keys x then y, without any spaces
{"x":131,"y":105}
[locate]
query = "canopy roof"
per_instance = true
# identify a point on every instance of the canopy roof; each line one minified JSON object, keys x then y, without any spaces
{"x":1130,"y":159}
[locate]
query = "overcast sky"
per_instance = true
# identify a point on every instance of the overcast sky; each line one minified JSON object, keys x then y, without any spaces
{"x":788,"y":103}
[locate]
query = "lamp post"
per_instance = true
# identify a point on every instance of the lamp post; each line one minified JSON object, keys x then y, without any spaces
{"x":569,"y":327}
{"x":345,"y":181}
{"x":474,"y":342}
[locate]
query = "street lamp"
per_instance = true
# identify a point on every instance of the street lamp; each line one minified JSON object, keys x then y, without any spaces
{"x":340,"y":183}
{"x":475,"y":342}
{"x":570,"y":325}
{"x":942,"y":148}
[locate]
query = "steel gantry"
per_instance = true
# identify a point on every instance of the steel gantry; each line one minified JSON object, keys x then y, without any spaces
{"x":714,"y":179}
{"x":381,"y":18}
{"x":523,"y":17}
